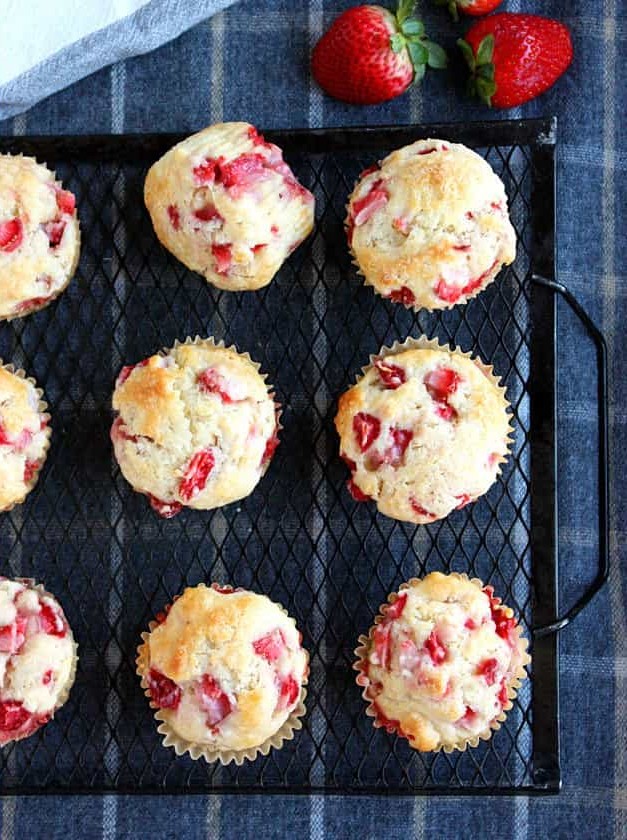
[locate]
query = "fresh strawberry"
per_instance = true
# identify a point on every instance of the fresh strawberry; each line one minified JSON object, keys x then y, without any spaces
{"x":476,"y":8}
{"x":370,"y":55}
{"x":514,"y":58}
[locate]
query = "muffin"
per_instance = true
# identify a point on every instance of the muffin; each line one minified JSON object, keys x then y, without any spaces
{"x":37,"y":658}
{"x":423,"y":431}
{"x":195,"y":426}
{"x":226,"y":204}
{"x":442,"y":663}
{"x":24,"y":436}
{"x":225,"y":669}
{"x":429,"y":227}
{"x":39,"y":236}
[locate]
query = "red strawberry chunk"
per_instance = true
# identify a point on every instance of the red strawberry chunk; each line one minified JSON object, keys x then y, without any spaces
{"x":119,"y":431}
{"x":395,"y":610}
{"x":440,"y":384}
{"x":504,"y":626}
{"x":274,"y":230}
{"x":420,"y":510}
{"x":448,"y":292}
{"x":164,"y":692}
{"x":5,"y":440}
{"x":389,"y":724}
{"x":66,"y":202}
{"x":213,"y":700}
{"x":31,"y":468}
{"x":212,"y":382}
{"x":428,"y":151}
{"x":11,"y":235}
{"x":208,"y":213}
{"x":461,"y":248}
{"x":12,"y":715}
{"x":165,"y":509}
{"x":409,"y":658}
{"x":257,"y":139}
{"x":381,"y":638}
{"x":468,"y":718}
{"x":256,"y":248}
{"x":127,"y":370}
{"x":365,"y":208}
{"x":403,"y":295}
{"x":470,"y":624}
{"x":197,"y":473}
{"x":464,"y":499}
{"x":243,"y":171}
{"x":12,"y":635}
{"x":223,"y":590}
{"x":488,"y":669}
{"x":503,"y":696}
{"x":356,"y":492}
{"x":33,"y":303}
{"x":401,"y":438}
{"x":289,"y":692}
{"x":54,"y":231}
{"x":174,"y":216}
{"x":222,"y":255}
{"x":270,"y":646}
{"x":51,"y":622}
{"x":401,"y":224}
{"x":271,"y":446}
{"x":47,"y":677}
{"x":392,"y":376}
{"x":435,"y":648}
{"x":366,"y":429}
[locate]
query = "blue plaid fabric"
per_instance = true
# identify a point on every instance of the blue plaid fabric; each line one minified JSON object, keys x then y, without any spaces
{"x":250,"y":62}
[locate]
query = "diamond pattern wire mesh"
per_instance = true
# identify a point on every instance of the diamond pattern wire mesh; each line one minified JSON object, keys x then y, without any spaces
{"x":299,"y":537}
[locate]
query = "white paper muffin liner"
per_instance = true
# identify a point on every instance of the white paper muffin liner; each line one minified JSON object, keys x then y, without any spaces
{"x":75,"y":261}
{"x":42,"y":408}
{"x":63,"y":696}
{"x":363,"y":681}
{"x":181,"y":746}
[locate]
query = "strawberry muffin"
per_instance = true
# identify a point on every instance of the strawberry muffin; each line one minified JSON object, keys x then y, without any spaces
{"x":24,"y":436}
{"x":39,"y":237}
{"x":225,"y":668}
{"x":195,"y":426}
{"x":37,"y":658}
{"x":226,"y":204}
{"x":429,"y":226}
{"x":442,"y":663}
{"x":423,"y":431}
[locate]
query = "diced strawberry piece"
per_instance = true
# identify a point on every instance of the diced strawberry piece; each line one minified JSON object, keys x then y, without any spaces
{"x":365,"y":208}
{"x":222,"y":256}
{"x":464,"y":499}
{"x":223,"y":590}
{"x":274,"y":230}
{"x":127,"y":370}
{"x":11,"y":235}
{"x":441,"y":383}
{"x":54,"y":231}
{"x":409,"y":658}
{"x":352,"y":466}
{"x":504,"y":626}
{"x":213,"y":700}
{"x":366,"y":429}
{"x":256,"y":248}
{"x":427,"y":151}
{"x":197,"y":473}
{"x":31,"y":468}
{"x":381,"y":638}
{"x":212,"y":382}
{"x":448,"y":292}
{"x":420,"y":510}
{"x":50,"y":621}
{"x":208,"y":213}
{"x":271,"y":447}
{"x":403,"y":295}
{"x":165,"y":509}
{"x":401,"y":438}
{"x":66,"y":202}
{"x":205,"y":172}
{"x":174,"y":216}
{"x":461,"y":248}
{"x":392,"y":376}
{"x":469,"y":215}
{"x":488,"y":669}
{"x":243,"y":171}
{"x":401,"y":224}
{"x":356,"y":492}
{"x":289,"y":692}
{"x":468,"y":718}
{"x":435,"y":648}
{"x":270,"y":646}
{"x":391,"y":726}
{"x":13,"y":716}
{"x":5,"y":440}
{"x":395,"y":610}
{"x":120,"y":432}
{"x":33,"y":303}
{"x":369,"y":170}
{"x":164,"y":692}
{"x":256,"y":138}
{"x":47,"y":677}
{"x":503,"y":696}
{"x":470,"y":624}
{"x":12,"y":635}
{"x":496,"y":205}
{"x":478,"y":281}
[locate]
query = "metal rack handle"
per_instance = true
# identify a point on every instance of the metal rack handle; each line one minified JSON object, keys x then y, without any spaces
{"x":603,"y":471}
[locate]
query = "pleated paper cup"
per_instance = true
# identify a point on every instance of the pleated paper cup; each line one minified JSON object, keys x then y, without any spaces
{"x":181,"y":746}
{"x":44,"y":416}
{"x":75,"y":257}
{"x":361,"y":665}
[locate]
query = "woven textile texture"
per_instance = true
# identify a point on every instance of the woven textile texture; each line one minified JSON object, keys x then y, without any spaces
{"x":250,"y":62}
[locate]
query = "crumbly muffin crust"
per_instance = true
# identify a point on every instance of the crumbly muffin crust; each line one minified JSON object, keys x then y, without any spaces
{"x":225,"y":667}
{"x":423,"y":432}
{"x":443,"y":662}
{"x":24,"y":436}
{"x":37,"y":658}
{"x":429,"y":227}
{"x":195,"y":427}
{"x":228,"y":206}
{"x":39,"y":236}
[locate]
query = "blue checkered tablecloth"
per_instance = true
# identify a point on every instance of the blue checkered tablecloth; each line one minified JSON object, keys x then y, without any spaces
{"x":250,"y":62}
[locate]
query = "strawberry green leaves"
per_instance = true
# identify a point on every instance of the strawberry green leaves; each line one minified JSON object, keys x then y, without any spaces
{"x":412,"y":37}
{"x":481,"y":80}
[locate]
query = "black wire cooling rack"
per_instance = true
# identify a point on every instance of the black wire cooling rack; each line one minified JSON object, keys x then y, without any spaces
{"x":299,"y":537}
